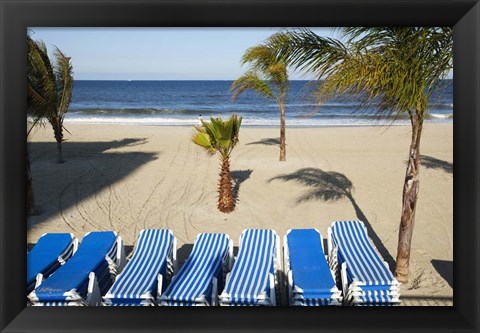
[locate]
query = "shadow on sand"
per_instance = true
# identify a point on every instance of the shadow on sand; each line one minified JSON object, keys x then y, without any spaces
{"x":333,"y":186}
{"x":88,"y":170}
{"x":238,"y":177}
{"x":185,"y":250}
{"x":182,"y":254}
{"x":266,"y":142}
{"x":433,"y":163}
{"x":445,"y":269}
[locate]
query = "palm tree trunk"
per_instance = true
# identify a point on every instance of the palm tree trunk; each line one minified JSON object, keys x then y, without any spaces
{"x":58,"y":133}
{"x":30,"y":194}
{"x":409,"y":201}
{"x":59,"y":152}
{"x":225,"y":198}
{"x":283,"y":151}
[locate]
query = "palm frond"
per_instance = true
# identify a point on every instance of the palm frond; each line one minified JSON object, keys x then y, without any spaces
{"x":251,"y":80}
{"x":64,"y":82}
{"x":203,"y":140}
{"x":392,"y":70}
{"x":267,"y":73}
{"x":304,"y":50}
{"x":41,"y":88}
{"x":218,"y":135}
{"x":259,"y":57}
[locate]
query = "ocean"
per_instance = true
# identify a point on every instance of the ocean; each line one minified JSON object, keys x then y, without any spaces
{"x":181,"y":102}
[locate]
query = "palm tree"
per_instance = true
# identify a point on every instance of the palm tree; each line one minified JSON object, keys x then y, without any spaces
{"x":267,"y":76}
{"x":36,"y":102}
{"x":391,"y":70}
{"x":49,"y":88}
{"x":221,"y":136}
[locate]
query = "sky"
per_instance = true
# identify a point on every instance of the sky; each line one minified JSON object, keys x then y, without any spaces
{"x":159,"y":53}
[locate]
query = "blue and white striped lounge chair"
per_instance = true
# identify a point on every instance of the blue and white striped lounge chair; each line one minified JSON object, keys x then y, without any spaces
{"x":365,"y":277}
{"x":310,"y":280}
{"x":50,"y":252}
{"x":145,"y":275}
{"x":198,"y":281}
{"x":85,"y":277}
{"x":254,"y":277}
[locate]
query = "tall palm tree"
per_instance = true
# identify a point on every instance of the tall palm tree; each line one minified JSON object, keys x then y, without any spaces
{"x":37,"y":99}
{"x":267,"y":76}
{"x":391,"y":70}
{"x":221,"y":136}
{"x":49,"y":88}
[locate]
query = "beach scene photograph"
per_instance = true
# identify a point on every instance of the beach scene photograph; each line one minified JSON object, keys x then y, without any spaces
{"x":282,"y":166}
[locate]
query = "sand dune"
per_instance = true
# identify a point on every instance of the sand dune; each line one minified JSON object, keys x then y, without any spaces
{"x":126,"y":178}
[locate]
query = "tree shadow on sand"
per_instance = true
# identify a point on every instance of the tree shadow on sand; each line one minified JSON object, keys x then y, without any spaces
{"x":333,"y":186}
{"x":185,"y":251}
{"x":89,"y":169}
{"x":266,"y":142}
{"x":433,"y":163}
{"x":238,"y":177}
{"x":182,"y":254}
{"x":445,"y":269}
{"x":73,"y":150}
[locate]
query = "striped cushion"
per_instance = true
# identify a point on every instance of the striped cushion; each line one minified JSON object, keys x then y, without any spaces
{"x":193,"y":283}
{"x":364,"y":263}
{"x":249,"y":279}
{"x":378,"y":299}
{"x":139,"y":277}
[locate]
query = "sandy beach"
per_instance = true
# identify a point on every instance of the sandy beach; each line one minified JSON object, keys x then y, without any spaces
{"x":127,"y":178}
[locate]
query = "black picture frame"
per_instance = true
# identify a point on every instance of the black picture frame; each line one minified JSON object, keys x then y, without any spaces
{"x":16,"y":16}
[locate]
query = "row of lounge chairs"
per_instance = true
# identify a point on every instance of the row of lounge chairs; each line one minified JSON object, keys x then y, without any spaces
{"x":353,"y":273}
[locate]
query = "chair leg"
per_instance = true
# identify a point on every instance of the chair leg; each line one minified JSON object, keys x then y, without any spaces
{"x":290,"y":288}
{"x":75,"y":245}
{"x":174,"y":256}
{"x":214,"y":292}
{"x":287,"y":284}
{"x":94,"y":296}
{"x":121,"y":258}
{"x":273,"y":297}
{"x":38,"y":280}
{"x":230,"y":255}
{"x":344,"y":281}
{"x":159,"y":285}
{"x":329,"y":243}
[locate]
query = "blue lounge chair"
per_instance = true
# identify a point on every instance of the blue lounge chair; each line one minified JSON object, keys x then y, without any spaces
{"x":365,"y":277}
{"x":145,"y":275}
{"x":51,"y":251}
{"x":87,"y":276}
{"x":310,"y":280}
{"x":198,"y":281}
{"x":254,"y":278}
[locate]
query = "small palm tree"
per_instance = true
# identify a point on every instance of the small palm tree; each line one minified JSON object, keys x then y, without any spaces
{"x":392,"y":70}
{"x":49,"y":88}
{"x":268,"y":77}
{"x":221,"y":136}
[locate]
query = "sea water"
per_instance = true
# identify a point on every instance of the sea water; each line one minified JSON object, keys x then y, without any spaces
{"x":181,"y":103}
